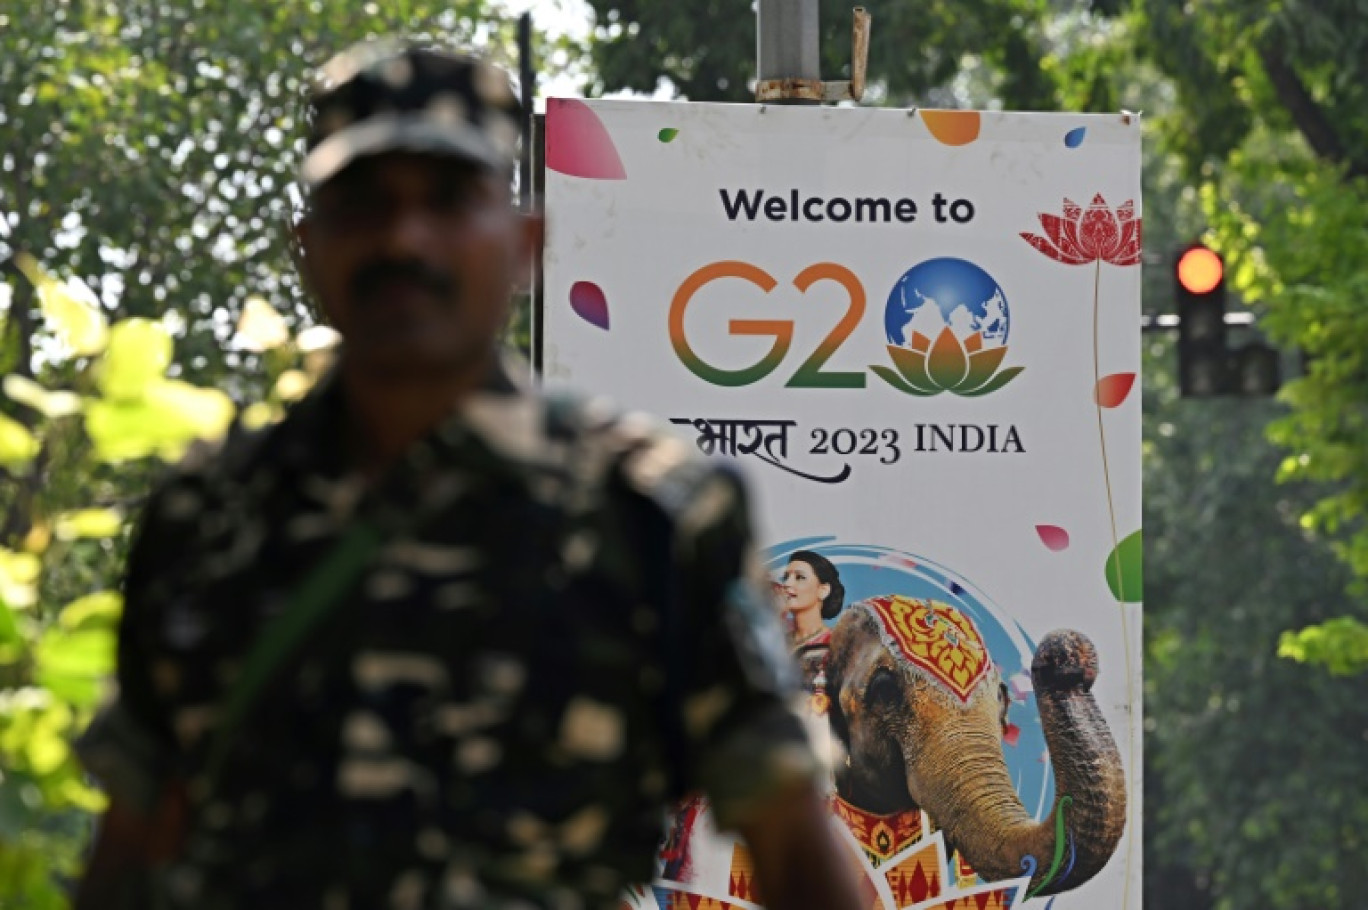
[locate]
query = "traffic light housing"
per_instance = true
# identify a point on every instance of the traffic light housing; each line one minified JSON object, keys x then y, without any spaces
{"x":1204,"y":367}
{"x":1207,"y":366}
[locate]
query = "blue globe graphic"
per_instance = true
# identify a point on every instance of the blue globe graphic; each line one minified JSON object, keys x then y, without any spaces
{"x":947,"y":292}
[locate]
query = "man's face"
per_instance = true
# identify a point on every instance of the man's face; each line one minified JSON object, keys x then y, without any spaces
{"x":413,"y":258}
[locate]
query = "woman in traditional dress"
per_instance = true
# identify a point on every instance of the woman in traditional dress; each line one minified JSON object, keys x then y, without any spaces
{"x":810,"y":593}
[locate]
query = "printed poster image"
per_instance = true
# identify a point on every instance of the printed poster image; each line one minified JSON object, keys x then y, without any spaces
{"x":917,"y":332}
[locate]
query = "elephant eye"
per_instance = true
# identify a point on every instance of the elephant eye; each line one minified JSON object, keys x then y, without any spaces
{"x":883,"y":689}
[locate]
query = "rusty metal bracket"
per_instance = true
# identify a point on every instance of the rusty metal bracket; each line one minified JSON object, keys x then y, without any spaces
{"x":830,"y":92}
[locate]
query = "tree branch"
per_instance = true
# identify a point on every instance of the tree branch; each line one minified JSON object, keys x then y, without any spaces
{"x":1306,"y":113}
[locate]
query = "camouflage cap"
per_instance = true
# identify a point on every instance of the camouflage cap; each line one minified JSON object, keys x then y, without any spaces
{"x":385,"y":96}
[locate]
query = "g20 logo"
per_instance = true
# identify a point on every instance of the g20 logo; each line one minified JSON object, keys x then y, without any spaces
{"x":946,"y":322}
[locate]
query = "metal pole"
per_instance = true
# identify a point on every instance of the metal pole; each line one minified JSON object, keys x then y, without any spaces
{"x":788,"y":46}
{"x":527,"y":78}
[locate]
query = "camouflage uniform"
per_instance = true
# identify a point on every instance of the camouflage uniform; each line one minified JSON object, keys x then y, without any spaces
{"x":482,"y":721}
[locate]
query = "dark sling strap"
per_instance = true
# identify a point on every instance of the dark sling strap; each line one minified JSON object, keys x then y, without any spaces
{"x":313,"y":600}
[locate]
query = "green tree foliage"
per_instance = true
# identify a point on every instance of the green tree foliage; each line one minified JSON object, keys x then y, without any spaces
{"x":706,"y":48}
{"x":1254,"y":765}
{"x":58,"y":601}
{"x":1272,"y":121}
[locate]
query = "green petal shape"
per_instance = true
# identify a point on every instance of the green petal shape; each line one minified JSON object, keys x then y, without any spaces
{"x":947,"y":363}
{"x":912,"y":365}
{"x":997,"y":382}
{"x":667,"y":134}
{"x":898,"y":383}
{"x":981,"y":367}
{"x":1124,"y":572}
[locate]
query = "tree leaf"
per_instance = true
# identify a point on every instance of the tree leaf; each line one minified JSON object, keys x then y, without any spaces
{"x":71,"y":313}
{"x":100,"y":608}
{"x":48,"y":403}
{"x":85,"y":523}
{"x":261,"y":327}
{"x":139,"y":353}
{"x":170,"y":415}
{"x":17,"y":445}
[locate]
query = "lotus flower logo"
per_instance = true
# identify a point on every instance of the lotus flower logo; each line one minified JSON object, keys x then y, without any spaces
{"x":947,"y":322}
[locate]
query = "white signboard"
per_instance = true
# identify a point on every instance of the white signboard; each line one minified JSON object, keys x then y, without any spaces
{"x":918,"y":331}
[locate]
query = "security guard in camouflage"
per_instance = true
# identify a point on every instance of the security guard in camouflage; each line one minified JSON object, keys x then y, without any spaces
{"x":558,"y":631}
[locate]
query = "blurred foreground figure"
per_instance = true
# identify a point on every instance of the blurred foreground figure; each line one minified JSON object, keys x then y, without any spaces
{"x":436,"y":640}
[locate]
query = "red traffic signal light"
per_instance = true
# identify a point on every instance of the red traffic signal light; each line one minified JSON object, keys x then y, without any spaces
{"x":1200,"y":270}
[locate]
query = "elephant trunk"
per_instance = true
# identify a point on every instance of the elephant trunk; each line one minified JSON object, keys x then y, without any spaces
{"x":976,"y":803}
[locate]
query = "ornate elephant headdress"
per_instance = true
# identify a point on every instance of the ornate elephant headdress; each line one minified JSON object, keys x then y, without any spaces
{"x":934,"y":637}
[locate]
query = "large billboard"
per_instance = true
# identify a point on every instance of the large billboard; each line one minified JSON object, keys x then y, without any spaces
{"x":918,"y":331}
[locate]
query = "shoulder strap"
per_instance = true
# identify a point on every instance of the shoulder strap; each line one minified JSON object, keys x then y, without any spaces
{"x":316,"y":596}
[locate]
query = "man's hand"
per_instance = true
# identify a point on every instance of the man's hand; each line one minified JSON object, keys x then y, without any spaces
{"x":799,"y":862}
{"x":127,"y":844}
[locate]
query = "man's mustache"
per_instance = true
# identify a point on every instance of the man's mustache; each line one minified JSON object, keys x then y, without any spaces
{"x":371,"y":277}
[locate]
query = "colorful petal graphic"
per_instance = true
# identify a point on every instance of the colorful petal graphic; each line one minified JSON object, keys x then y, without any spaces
{"x":1124,"y":569}
{"x":589,"y":303}
{"x":577,"y":144}
{"x":1011,"y":734}
{"x":1074,"y":137}
{"x":1112,"y":390}
{"x":1053,"y":537}
{"x":953,"y":127}
{"x":668,"y":134}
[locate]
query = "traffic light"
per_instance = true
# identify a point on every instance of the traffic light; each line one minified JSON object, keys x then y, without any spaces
{"x":1204,"y":367}
{"x":1207,"y":366}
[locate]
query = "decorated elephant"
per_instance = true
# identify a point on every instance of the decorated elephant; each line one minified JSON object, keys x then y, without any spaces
{"x":921,"y":709}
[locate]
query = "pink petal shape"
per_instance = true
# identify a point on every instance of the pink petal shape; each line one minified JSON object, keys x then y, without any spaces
{"x":1020,"y":686}
{"x":893,"y":559}
{"x":1112,"y":390}
{"x":1011,"y":734}
{"x":589,"y":303}
{"x":1053,"y":537}
{"x":577,"y":144}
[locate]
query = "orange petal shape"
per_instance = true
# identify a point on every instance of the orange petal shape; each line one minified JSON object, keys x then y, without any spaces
{"x":1112,"y":390}
{"x":919,"y":342}
{"x":953,"y":127}
{"x":973,"y":343}
{"x":947,"y":364}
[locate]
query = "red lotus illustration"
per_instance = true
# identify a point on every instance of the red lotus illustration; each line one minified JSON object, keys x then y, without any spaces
{"x":1096,"y":234}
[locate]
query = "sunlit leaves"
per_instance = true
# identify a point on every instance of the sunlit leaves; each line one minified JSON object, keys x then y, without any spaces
{"x":261,"y":327}
{"x":73,"y":664}
{"x":100,"y":609}
{"x":84,"y":523}
{"x":19,"y":578}
{"x":1340,"y":645}
{"x":17,"y":444}
{"x":162,"y":422}
{"x":139,"y":353}
{"x":25,"y":391}
{"x":75,"y":318}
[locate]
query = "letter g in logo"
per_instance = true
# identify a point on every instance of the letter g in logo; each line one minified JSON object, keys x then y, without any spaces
{"x":781,"y":330}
